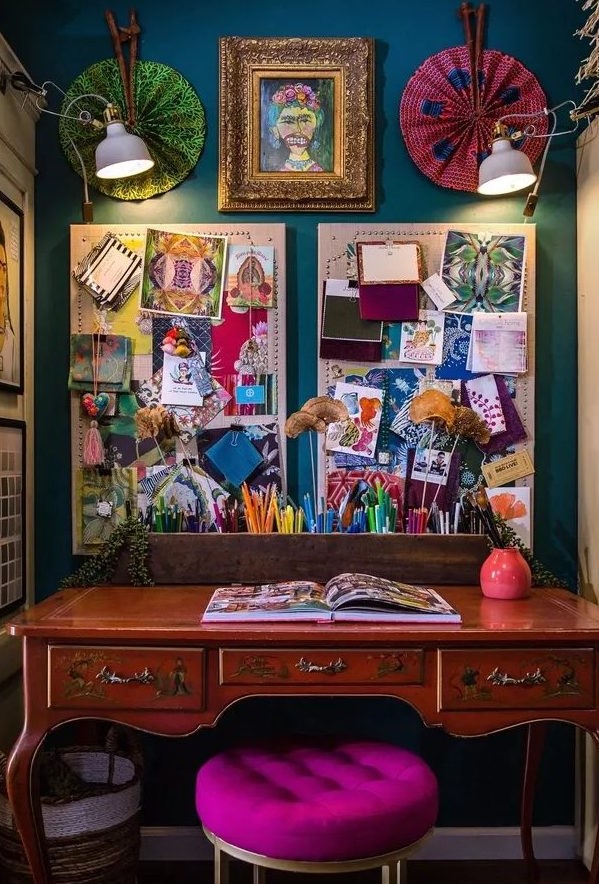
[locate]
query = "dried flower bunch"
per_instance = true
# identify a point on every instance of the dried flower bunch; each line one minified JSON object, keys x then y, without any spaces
{"x":155,"y":420}
{"x":432,"y":405}
{"x":315,"y":414}
{"x":459,"y":420}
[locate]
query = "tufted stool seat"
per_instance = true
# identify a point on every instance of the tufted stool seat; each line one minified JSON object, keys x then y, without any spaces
{"x":321,"y":805}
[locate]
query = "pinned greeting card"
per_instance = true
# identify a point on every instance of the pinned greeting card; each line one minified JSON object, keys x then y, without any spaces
{"x":513,"y":505}
{"x":358,"y":434}
{"x":250,"y":276}
{"x":422,"y":340}
{"x":178,"y":385}
{"x":483,"y":396}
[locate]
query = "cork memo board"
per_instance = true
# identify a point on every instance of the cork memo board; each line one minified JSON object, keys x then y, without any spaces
{"x":83,"y":314}
{"x":338,"y":259}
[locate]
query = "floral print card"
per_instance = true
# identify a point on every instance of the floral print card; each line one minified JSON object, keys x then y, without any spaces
{"x":513,"y":505}
{"x":358,"y":434}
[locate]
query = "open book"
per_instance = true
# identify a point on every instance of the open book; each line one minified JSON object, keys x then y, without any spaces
{"x":344,"y":597}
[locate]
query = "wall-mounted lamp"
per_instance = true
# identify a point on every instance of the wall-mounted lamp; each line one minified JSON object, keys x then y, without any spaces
{"x":507,"y":169}
{"x":120,"y":154}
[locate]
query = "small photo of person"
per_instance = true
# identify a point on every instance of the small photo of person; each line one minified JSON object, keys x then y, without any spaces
{"x":439,"y":463}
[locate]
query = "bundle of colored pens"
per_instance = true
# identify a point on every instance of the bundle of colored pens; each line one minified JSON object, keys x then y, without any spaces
{"x":381,"y":511}
{"x":321,"y":522}
{"x":264,"y":512}
{"x":416,"y":520}
{"x":368,"y":509}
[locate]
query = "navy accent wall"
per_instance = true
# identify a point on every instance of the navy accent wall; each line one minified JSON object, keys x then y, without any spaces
{"x":57,"y":40}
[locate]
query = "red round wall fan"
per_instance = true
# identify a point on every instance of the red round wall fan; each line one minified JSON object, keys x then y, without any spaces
{"x":447,"y":116}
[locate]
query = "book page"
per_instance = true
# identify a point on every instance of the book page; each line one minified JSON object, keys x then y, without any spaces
{"x":268,"y":601}
{"x":367,"y":592}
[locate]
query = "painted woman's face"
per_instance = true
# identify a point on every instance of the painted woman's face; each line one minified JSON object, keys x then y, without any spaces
{"x":296,"y":126}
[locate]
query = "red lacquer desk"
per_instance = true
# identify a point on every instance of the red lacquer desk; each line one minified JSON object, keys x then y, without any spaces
{"x":140,"y":656}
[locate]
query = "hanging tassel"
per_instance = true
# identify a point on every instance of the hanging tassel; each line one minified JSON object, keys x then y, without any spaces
{"x":93,"y":447}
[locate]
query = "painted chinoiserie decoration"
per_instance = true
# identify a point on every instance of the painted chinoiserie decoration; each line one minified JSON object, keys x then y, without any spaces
{"x":505,"y":574}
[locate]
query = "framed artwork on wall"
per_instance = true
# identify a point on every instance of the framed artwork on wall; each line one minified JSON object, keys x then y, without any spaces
{"x":11,"y":295}
{"x":296,"y":124}
{"x":12,"y":515}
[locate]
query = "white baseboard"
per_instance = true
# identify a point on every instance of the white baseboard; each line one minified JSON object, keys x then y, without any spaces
{"x":550,"y":842}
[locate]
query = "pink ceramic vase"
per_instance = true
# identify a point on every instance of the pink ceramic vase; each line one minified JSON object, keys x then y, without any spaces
{"x":505,"y":574}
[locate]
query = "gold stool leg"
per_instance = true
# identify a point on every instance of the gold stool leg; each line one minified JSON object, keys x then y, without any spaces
{"x":221,"y":866}
{"x":259,"y":875}
{"x":395,"y":873}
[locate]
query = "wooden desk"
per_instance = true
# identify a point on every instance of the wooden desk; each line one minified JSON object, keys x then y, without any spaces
{"x":140,"y":656}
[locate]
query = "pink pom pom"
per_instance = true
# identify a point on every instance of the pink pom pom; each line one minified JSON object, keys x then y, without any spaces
{"x":93,"y":447}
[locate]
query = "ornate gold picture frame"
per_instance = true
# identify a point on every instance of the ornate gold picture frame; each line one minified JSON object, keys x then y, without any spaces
{"x":296,"y":124}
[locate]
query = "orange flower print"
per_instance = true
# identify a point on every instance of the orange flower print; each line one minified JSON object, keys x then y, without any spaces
{"x":508,"y":506}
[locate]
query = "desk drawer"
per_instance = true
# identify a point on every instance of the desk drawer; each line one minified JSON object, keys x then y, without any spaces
{"x":321,"y":667}
{"x":125,"y":678}
{"x":543,"y":678}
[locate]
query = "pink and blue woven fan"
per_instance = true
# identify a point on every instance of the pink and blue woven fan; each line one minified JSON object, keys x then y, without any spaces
{"x":446,"y":116}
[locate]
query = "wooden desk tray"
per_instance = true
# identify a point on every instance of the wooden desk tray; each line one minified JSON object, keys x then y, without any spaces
{"x":251,"y":558}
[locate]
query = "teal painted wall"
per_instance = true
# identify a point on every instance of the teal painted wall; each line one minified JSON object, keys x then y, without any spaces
{"x":57,"y":40}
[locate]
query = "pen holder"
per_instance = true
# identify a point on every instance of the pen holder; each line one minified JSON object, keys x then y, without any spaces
{"x":505,"y":574}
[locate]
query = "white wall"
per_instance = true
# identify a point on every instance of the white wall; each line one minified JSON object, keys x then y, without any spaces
{"x":588,"y":430}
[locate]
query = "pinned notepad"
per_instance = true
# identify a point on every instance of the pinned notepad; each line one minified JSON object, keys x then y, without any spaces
{"x":389,"y":275}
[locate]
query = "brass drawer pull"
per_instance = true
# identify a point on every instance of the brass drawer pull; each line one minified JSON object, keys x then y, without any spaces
{"x":331,"y":668}
{"x":531,"y":678}
{"x":108,"y":677}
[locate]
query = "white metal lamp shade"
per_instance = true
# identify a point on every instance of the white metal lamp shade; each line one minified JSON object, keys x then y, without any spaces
{"x":505,"y":170}
{"x":121,"y":154}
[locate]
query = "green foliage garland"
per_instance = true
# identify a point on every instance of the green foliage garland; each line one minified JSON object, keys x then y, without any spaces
{"x":540,"y":575}
{"x":100,"y":567}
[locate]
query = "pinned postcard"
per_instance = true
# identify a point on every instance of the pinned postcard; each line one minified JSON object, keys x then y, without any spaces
{"x":357,"y":434}
{"x":250,"y":276}
{"x":183,"y":273}
{"x":484,"y":271}
{"x":422,"y":340}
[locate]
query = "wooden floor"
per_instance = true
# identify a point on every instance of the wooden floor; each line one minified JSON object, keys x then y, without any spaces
{"x":430,"y":872}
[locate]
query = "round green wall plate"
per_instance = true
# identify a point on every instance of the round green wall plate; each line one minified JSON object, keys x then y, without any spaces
{"x":170,"y":119}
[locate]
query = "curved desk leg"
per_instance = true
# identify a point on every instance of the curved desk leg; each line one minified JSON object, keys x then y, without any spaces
{"x":534,"y":750}
{"x":23,"y":794}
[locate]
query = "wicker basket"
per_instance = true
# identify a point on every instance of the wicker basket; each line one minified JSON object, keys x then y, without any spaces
{"x":92,"y":837}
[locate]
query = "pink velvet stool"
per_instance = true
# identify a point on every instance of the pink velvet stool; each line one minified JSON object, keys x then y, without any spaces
{"x":316,"y":805}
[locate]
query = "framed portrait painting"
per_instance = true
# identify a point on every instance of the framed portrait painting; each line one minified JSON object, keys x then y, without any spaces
{"x":11,"y":296}
{"x":296,"y":124}
{"x":12,"y":515}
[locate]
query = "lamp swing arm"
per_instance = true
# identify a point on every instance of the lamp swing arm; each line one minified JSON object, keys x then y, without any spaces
{"x":530,"y":131}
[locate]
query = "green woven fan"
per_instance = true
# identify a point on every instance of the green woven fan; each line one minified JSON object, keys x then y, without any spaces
{"x":169,"y":117}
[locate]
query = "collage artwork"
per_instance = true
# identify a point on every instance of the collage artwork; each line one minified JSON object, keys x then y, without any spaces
{"x":179,"y":399}
{"x":183,"y":331}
